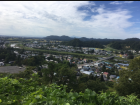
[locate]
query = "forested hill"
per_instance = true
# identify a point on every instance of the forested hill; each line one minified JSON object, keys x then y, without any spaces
{"x":79,"y":43}
{"x":67,"y":38}
{"x":130,"y":43}
{"x":59,"y":38}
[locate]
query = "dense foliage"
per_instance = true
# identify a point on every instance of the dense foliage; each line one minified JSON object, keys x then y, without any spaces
{"x":7,"y":54}
{"x":67,"y":38}
{"x":28,"y":92}
{"x":34,"y":61}
{"x":79,"y":43}
{"x":134,"y":44}
{"x":129,"y":81}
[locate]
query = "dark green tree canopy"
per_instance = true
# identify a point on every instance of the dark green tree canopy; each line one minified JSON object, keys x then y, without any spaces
{"x":129,"y":81}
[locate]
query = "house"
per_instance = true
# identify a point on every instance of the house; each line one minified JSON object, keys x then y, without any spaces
{"x":1,"y":64}
{"x":27,"y":52}
{"x":69,"y":60}
{"x":98,"y":74}
{"x":16,"y":52}
{"x":79,"y":67}
{"x":82,"y":70}
{"x":125,"y":65}
{"x":45,"y":66}
{"x":115,"y":59}
{"x":105,"y":74}
{"x":35,"y":42}
{"x":85,"y":68}
{"x":105,"y":78}
{"x":97,"y":71}
{"x":33,"y":54}
{"x":117,"y":77}
{"x":88,"y":72}
{"x":85,"y":60}
{"x":112,"y":76}
{"x":55,"y":61}
{"x":107,"y":63}
{"x":108,"y":67}
{"x":96,"y":64}
{"x":47,"y":60}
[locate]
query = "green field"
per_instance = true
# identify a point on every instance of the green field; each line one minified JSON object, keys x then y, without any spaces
{"x":14,"y":41}
{"x":108,"y":48}
{"x":124,"y":59}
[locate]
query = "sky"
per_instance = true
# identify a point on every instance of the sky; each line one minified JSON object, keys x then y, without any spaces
{"x":91,"y":19}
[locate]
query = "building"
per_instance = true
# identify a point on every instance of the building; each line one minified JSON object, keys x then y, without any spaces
{"x":105,"y":74}
{"x":1,"y":64}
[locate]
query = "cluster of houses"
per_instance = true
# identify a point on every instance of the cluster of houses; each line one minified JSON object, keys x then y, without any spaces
{"x":96,"y":69}
{"x":57,"y":47}
{"x":37,"y":44}
{"x":26,"y":54}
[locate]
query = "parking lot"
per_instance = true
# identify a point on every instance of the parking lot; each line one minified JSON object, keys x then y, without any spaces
{"x":11,"y":69}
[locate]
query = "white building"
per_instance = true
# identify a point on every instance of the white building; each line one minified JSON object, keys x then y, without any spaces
{"x":1,"y":64}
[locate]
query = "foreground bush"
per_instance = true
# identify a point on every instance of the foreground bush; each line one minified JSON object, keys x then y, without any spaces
{"x":27,"y":92}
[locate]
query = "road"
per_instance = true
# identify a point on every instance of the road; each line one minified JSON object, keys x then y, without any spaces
{"x":91,"y":64}
{"x":11,"y":69}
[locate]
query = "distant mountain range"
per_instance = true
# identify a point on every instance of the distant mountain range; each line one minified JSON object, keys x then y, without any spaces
{"x":67,"y":38}
{"x":75,"y":36}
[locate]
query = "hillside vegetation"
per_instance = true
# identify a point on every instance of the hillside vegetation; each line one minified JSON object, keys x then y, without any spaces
{"x":132,"y":43}
{"x":29,"y":92}
{"x":79,"y":43}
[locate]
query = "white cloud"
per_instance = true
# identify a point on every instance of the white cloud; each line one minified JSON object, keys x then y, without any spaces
{"x":120,"y":2}
{"x":128,"y":1}
{"x":115,"y":2}
{"x":61,"y":18}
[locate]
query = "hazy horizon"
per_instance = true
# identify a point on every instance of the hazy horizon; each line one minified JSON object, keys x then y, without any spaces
{"x":91,"y":19}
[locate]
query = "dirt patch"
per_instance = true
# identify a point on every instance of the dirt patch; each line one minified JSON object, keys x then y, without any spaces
{"x":11,"y":69}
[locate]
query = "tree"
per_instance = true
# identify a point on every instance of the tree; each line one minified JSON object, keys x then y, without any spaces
{"x":103,"y":68}
{"x":116,"y":52}
{"x":102,"y":78}
{"x":48,"y":73}
{"x":96,"y":86}
{"x":129,"y":81}
{"x":130,"y":56}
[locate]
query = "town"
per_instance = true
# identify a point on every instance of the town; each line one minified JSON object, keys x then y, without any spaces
{"x":106,"y":63}
{"x":69,"y":53}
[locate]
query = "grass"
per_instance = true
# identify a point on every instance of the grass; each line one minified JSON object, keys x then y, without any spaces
{"x":123,"y":67}
{"x":8,"y":65}
{"x":12,"y":38}
{"x":119,"y":58}
{"x":14,"y":41}
{"x":29,"y":39}
{"x":108,"y":48}
{"x":7,"y":45}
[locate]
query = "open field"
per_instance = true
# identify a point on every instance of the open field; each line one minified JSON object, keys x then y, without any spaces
{"x":14,"y":41}
{"x":11,"y":69}
{"x":124,"y":59}
{"x":108,"y":48}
